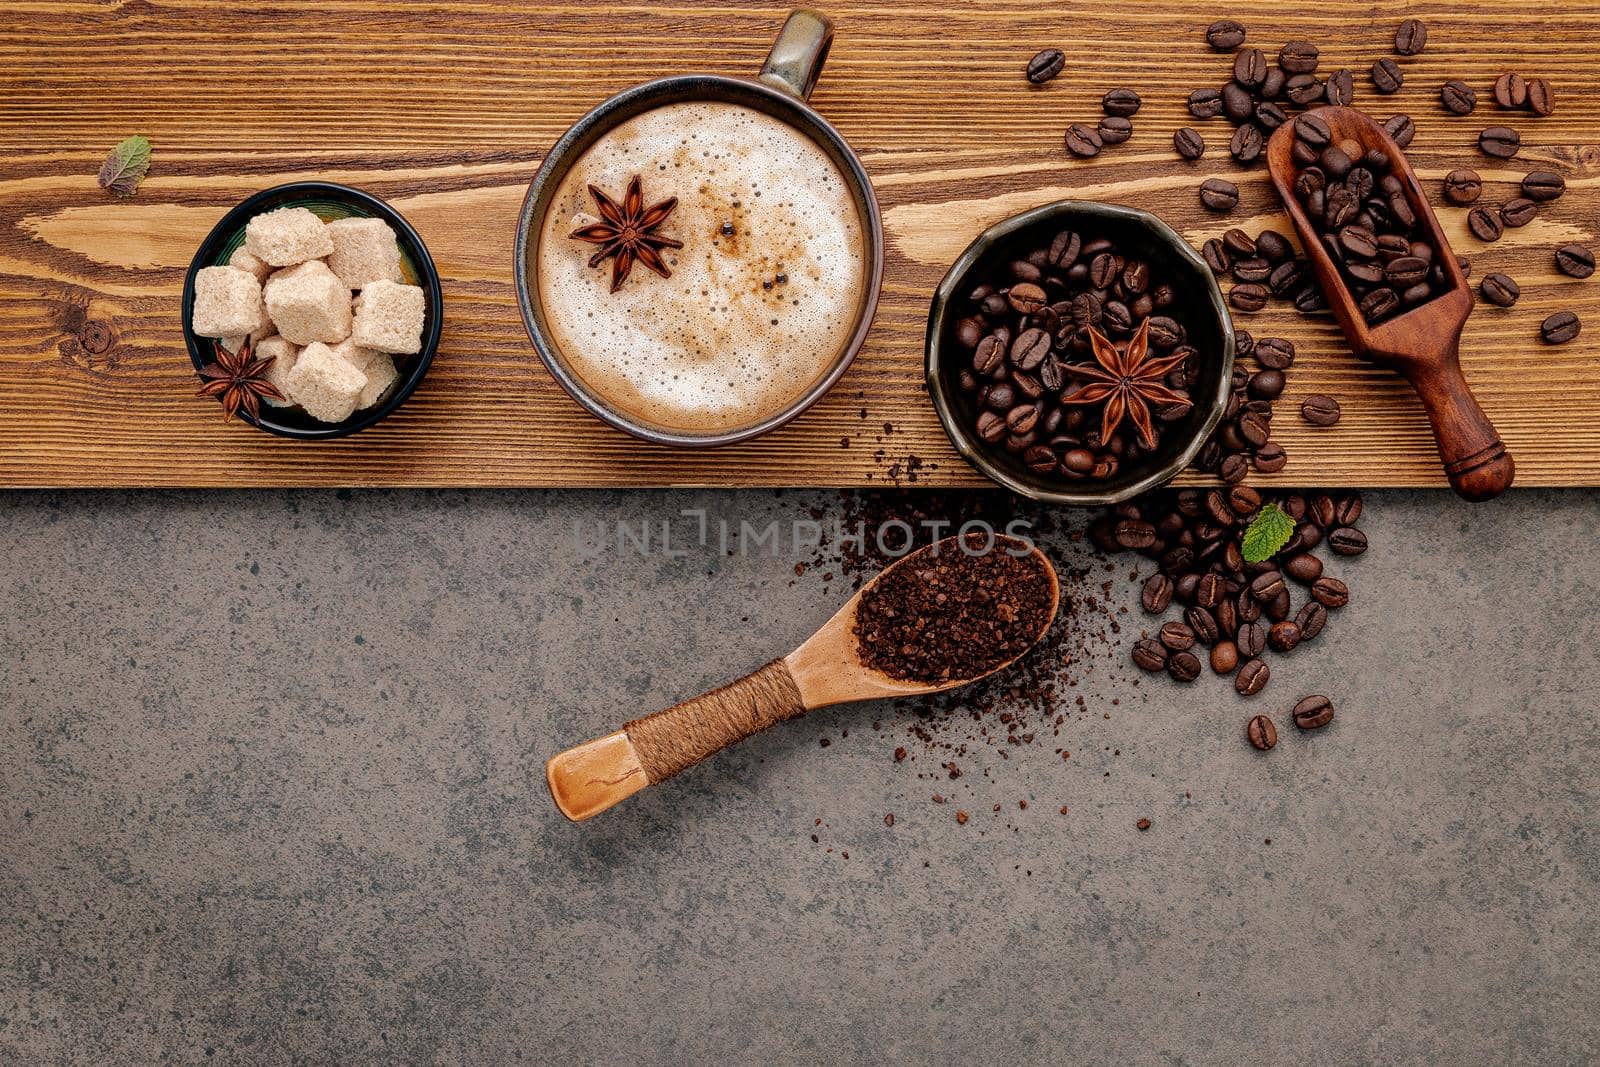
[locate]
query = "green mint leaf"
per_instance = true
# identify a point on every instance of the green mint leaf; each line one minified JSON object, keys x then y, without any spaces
{"x":126,"y":166}
{"x":1269,"y":531}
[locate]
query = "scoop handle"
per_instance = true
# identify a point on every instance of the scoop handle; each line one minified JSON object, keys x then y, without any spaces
{"x":596,"y":775}
{"x":1475,"y":459}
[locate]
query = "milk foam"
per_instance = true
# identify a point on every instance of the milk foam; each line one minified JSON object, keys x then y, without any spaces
{"x":748,"y":321}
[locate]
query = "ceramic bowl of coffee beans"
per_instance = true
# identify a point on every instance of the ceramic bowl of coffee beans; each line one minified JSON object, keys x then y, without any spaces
{"x":1079,"y":353}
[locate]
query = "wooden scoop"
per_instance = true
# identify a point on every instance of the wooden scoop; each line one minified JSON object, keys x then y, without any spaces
{"x":826,"y":669}
{"x":1422,"y":344}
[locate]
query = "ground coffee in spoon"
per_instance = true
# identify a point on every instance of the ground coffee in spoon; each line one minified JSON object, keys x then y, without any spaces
{"x":954,"y":609}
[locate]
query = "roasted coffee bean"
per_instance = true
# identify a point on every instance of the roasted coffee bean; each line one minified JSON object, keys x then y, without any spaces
{"x":1543,"y":186}
{"x":1541,"y":99}
{"x":1560,"y":328}
{"x":1176,"y":635}
{"x":1203,"y":623}
{"x":1310,"y":620}
{"x":1218,"y":194}
{"x":1313,"y":130}
{"x":1267,"y":585}
{"x":1510,"y":92}
{"x":1246,"y":144}
{"x":1083,"y":141}
{"x":1499,"y":290}
{"x":1283,"y":637}
{"x":1157,"y":593}
{"x":1224,"y":657}
{"x":991,"y":427}
{"x":1251,"y":639}
{"x":1021,"y":419}
{"x":1030,"y":349}
{"x":1039,"y":459}
{"x":1238,"y":102}
{"x":1244,"y":501}
{"x":1188,"y":143}
{"x":1064,"y":249}
{"x":1254,"y":270}
{"x":1575,"y":261}
{"x":1320,"y":410}
{"x":1078,"y":461}
{"x":1347,"y":509}
{"x":1335,"y":163}
{"x":1260,"y":732}
{"x":1238,"y":243}
{"x":1458,"y":97}
{"x":1026,"y":298}
{"x":1275,"y":353}
{"x":1330,"y":592}
{"x":1303,"y":89}
{"x":1046,"y":65}
{"x":1501,"y":142}
{"x":1114,"y":129}
{"x":1340,"y":88}
{"x":1411,"y":37}
{"x":1250,"y":67}
{"x":1248,"y":297}
{"x":1184,"y":666}
{"x":1379,"y":304}
{"x":1251,"y":679}
{"x":1347,"y":541}
{"x":1209,"y":590}
{"x":1122,"y":102}
{"x":1225,"y":35}
{"x":1304,"y":568}
{"x":1518,"y":212}
{"x":1386,"y":76}
{"x":1270,"y":458}
{"x":1205,"y":103}
{"x":1266,"y":385}
{"x":1165,"y":332}
{"x":1298,"y":57}
{"x":1462,"y":187}
{"x":1150,"y":655}
{"x":1485,"y":224}
{"x":1215,"y":253}
{"x":1270,"y":116}
{"x":1313,"y":713}
{"x":1405,"y":270}
{"x":1273,"y":246}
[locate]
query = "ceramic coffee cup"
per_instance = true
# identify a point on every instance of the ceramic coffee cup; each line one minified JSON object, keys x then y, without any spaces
{"x":780,"y":90}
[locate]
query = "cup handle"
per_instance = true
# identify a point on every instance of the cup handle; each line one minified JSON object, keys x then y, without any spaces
{"x":796,"y":59}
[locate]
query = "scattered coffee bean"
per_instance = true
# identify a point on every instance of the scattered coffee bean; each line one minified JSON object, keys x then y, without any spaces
{"x":1298,"y":57}
{"x":1499,"y":290}
{"x":1540,"y":99}
{"x":1252,"y":677}
{"x":1510,"y":92}
{"x":1283,"y":637}
{"x":1260,"y":731}
{"x":1225,"y":35}
{"x":1083,"y":141}
{"x":1411,"y":38}
{"x":1114,"y":129}
{"x":1330,"y":592}
{"x":1347,"y":541}
{"x":1462,"y":187}
{"x":1184,"y":666}
{"x":1340,"y":88}
{"x":1458,"y":97}
{"x":1249,"y":297}
{"x":1575,"y":261}
{"x":1205,"y":103}
{"x":1176,"y":636}
{"x":1150,"y":655}
{"x":1543,"y":186}
{"x":1218,"y":194}
{"x":1485,"y":224}
{"x":1046,"y":65}
{"x":1320,"y":410}
{"x":1501,"y":142}
{"x":1311,"y":619}
{"x":1121,"y":102}
{"x":1246,"y":145}
{"x":1518,"y":212}
{"x":1560,"y":328}
{"x":1188,"y":143}
{"x":1250,"y":67}
{"x":1238,"y":101}
{"x":1313,"y":713}
{"x":1386,"y":76}
{"x":1401,"y":130}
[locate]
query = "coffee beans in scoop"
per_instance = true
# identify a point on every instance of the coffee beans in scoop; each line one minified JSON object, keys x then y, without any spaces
{"x":954,"y":610}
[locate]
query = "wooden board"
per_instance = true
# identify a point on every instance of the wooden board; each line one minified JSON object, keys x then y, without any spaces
{"x":444,"y":109}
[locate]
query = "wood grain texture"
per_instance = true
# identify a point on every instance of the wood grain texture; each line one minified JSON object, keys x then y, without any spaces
{"x":444,"y":109}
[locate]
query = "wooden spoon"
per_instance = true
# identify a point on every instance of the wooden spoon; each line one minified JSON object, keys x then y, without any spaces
{"x":1422,"y":344}
{"x":825,"y":670}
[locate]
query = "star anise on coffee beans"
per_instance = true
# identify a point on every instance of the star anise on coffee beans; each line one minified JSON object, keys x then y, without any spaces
{"x":239,"y":379}
{"x":1128,"y":381}
{"x":627,"y":233}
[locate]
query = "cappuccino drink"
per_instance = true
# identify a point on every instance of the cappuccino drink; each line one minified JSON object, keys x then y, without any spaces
{"x":763,"y":295}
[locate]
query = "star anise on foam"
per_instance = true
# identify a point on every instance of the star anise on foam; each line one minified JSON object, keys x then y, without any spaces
{"x":1128,"y":380}
{"x":627,"y":233}
{"x":239,"y":379}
